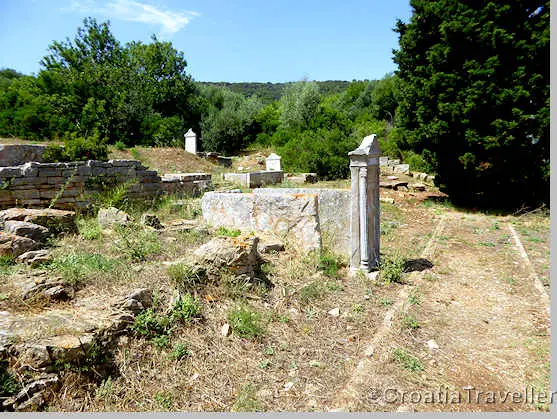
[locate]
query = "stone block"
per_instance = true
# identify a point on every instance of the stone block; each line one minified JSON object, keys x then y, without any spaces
{"x":228,"y":209}
{"x":293,"y":216}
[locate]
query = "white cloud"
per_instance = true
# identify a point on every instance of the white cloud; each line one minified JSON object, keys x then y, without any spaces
{"x":135,"y":11}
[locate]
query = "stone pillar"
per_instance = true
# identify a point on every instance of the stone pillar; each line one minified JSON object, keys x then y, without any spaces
{"x":364,"y":213}
{"x":190,"y":143}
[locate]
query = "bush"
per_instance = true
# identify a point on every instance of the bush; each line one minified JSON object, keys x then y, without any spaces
{"x":120,"y":146}
{"x":77,"y":149}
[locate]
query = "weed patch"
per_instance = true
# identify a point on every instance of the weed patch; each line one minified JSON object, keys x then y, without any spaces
{"x":227,"y":232}
{"x":392,"y":268}
{"x":79,"y":266}
{"x":407,"y":361}
{"x":246,"y":322}
{"x":246,"y":401}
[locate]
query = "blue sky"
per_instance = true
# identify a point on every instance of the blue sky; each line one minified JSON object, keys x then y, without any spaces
{"x":246,"y":40}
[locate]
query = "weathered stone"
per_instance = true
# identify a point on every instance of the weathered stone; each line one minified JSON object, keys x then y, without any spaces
{"x":25,"y":229}
{"x":333,"y":207}
{"x":417,"y":187}
{"x":59,"y":293}
{"x":136,"y":301}
{"x":393,"y":184}
{"x":17,"y":154}
{"x":57,"y":221}
{"x":151,"y":220}
{"x":387,"y":200}
{"x":228,"y":209}
{"x":31,"y":398}
{"x":110,"y":217}
{"x":293,"y":216}
{"x":271,"y":247}
{"x":12,"y":245}
{"x":238,"y":255}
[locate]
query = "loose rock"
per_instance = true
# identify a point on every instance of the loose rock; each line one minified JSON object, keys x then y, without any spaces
{"x":12,"y":245}
{"x":111,"y":217}
{"x":335,"y":312}
{"x":151,"y":220}
{"x":25,"y":229}
{"x":57,"y":221}
{"x":225,"y":330}
{"x":35,"y":258}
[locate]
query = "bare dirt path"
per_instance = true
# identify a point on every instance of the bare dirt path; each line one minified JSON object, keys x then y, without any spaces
{"x":463,"y":336}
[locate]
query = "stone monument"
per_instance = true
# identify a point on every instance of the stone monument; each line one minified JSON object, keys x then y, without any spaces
{"x":190,"y":141}
{"x":364,"y":205}
{"x":272,"y":163}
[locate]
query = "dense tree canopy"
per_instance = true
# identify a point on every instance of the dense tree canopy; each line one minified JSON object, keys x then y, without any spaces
{"x":474,"y":96}
{"x":137,"y":93}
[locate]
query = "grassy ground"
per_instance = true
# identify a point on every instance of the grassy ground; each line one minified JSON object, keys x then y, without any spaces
{"x":286,"y":352}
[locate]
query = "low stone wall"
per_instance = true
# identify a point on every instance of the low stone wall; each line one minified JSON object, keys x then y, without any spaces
{"x":16,"y":154}
{"x":68,"y":185}
{"x":255,"y":179}
{"x":193,"y":184}
{"x":333,"y":210}
{"x":293,"y":216}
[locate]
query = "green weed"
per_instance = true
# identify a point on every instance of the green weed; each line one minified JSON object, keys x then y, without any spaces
{"x":186,"y":309}
{"x":79,"y":266}
{"x":136,"y":243}
{"x":246,"y":401}
{"x":89,"y":228}
{"x":180,"y":351}
{"x":246,"y":322}
{"x":407,"y":361}
{"x":410,"y":322}
{"x":185,"y":277}
{"x":311,"y":291}
{"x":227,"y":232}
{"x":391,"y":269}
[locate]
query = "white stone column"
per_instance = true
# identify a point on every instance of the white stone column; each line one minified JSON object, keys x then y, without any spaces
{"x":364,"y":216}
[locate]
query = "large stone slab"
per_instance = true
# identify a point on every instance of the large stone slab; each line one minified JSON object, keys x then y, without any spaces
{"x":228,"y":209}
{"x":57,"y":221}
{"x":333,"y":212}
{"x":293,"y":216}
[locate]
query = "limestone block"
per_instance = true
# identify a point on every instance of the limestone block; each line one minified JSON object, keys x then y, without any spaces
{"x":294,"y":216}
{"x":57,"y":221}
{"x":110,"y":217}
{"x":228,"y":209}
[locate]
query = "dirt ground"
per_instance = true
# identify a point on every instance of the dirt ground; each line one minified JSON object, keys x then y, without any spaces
{"x":465,"y":329}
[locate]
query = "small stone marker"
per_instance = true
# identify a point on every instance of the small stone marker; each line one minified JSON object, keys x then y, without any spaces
{"x":272,"y":163}
{"x":190,"y":141}
{"x":225,"y":330}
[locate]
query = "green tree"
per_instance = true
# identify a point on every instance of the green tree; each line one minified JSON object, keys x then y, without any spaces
{"x":475,"y":97}
{"x":298,"y":105}
{"x":230,"y":122}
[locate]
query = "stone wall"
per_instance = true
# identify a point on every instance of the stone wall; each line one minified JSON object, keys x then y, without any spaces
{"x":293,"y":216}
{"x":70,"y":185}
{"x":255,"y":179}
{"x":16,"y":154}
{"x":193,"y":184}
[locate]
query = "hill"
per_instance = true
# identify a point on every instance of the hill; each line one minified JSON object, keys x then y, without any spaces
{"x":269,"y":92}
